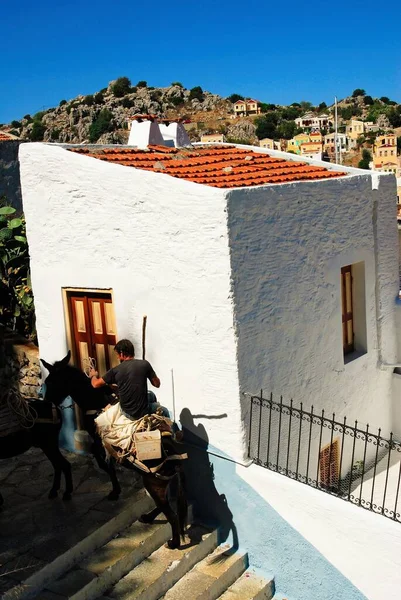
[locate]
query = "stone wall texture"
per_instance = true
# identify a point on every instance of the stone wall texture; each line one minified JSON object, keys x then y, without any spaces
{"x":10,"y":184}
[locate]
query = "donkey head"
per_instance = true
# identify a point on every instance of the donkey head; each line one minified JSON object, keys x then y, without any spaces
{"x":58,"y":381}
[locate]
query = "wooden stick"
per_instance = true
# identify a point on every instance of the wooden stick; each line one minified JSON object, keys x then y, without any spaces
{"x":145,"y":318}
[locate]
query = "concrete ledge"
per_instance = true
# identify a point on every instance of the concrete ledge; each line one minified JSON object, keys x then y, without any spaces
{"x":211,"y":577}
{"x":162,"y":569}
{"x":250,"y":586}
{"x":63,"y":563}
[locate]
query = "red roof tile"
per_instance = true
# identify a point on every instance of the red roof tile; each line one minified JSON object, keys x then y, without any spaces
{"x":222,"y":166}
{"x":6,"y":137}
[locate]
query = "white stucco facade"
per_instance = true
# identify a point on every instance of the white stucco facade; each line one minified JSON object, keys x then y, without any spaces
{"x":241,"y":288}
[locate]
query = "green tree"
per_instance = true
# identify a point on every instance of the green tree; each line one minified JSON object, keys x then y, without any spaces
{"x":28,"y":118}
{"x":88,"y":100}
{"x":99,"y":98}
{"x":266,"y":126}
{"x":235,"y":97}
{"x":306,"y":105}
{"x":358,"y":92}
{"x":100,"y":125}
{"x":286,"y":130}
{"x":322,"y":106}
{"x":15,"y":124}
{"x":196,"y":92}
{"x":62,"y":102}
{"x":16,"y":298}
{"x":37,"y":132}
{"x":177,"y":83}
{"x":385,"y":100}
{"x":368,"y":100}
{"x":121,"y":87}
{"x":290,"y":113}
{"x":128,"y":102}
{"x":366,"y":158}
{"x":394,"y":116}
{"x":142,"y":84}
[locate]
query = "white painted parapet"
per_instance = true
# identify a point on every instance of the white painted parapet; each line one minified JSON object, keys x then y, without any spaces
{"x":175,"y":134}
{"x":145,"y":132}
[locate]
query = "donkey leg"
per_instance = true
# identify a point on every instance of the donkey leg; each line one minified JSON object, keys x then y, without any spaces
{"x":66,"y":468}
{"x":157,"y":489}
{"x":54,"y":455}
{"x":150,"y":516}
{"x":107,"y":467}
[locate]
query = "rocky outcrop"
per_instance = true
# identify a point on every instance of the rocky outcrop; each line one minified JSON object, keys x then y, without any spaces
{"x":243,"y":131}
{"x":71,"y":122}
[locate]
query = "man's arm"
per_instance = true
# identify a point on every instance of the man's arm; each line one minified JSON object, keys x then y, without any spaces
{"x":96,"y":381}
{"x":155,"y":381}
{"x":153,"y":378}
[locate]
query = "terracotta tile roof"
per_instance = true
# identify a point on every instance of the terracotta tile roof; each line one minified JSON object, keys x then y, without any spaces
{"x":222,"y":166}
{"x":6,"y":137}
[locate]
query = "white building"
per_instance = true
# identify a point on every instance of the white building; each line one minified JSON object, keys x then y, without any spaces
{"x":311,"y":121}
{"x":256,"y":269}
{"x":241,"y":291}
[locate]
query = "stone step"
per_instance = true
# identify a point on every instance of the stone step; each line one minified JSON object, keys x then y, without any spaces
{"x":250,"y":586}
{"x":52,"y":571}
{"x":157,"y":573}
{"x":107,"y":565}
{"x":210,"y":577}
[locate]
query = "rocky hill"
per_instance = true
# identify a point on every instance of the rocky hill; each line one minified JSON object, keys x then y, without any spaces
{"x":103,"y":116}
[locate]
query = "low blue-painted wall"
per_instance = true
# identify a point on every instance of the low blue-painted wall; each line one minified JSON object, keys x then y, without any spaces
{"x":248,"y":521}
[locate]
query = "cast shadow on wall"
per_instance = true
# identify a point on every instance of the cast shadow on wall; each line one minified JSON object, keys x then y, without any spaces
{"x":209,"y":507}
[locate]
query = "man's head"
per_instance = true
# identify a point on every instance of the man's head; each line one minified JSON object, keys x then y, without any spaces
{"x":125,"y":350}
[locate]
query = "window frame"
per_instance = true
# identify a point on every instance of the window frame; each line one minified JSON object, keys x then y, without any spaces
{"x":347,"y":315}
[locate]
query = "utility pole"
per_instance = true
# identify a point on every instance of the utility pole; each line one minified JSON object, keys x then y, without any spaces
{"x":335,"y":128}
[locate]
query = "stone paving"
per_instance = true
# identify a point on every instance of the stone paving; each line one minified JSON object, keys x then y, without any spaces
{"x":35,"y":530}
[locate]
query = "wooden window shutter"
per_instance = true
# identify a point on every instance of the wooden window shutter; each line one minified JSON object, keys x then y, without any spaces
{"x":347,"y":309}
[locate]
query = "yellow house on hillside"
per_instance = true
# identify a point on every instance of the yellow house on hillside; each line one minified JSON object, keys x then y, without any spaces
{"x":294,"y":144}
{"x":385,"y":153}
{"x":269,"y":144}
{"x":243,"y":108}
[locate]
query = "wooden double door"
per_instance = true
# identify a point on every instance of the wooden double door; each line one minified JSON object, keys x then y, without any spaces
{"x":93,"y":329}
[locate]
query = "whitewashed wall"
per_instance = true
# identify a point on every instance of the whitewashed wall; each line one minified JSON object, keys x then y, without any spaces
{"x":168,"y":249}
{"x":288,"y":244}
{"x":161,"y":245}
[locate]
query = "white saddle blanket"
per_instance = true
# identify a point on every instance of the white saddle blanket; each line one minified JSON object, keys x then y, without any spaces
{"x":117,"y":431}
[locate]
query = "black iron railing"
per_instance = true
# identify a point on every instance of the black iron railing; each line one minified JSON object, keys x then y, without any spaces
{"x":343,"y":459}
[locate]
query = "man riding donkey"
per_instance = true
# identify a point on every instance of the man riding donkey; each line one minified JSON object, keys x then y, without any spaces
{"x":136,"y":410}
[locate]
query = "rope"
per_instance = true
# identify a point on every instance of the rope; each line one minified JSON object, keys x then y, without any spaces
{"x":88,"y":364}
{"x":25,"y":414}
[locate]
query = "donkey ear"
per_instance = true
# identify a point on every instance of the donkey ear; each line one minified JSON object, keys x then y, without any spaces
{"x":66,"y":359}
{"x":47,"y":365}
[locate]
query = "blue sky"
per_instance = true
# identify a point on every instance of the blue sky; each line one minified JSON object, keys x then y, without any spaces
{"x":278,"y":52}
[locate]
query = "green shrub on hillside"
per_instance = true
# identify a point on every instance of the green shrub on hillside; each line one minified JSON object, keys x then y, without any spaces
{"x":142,"y":84}
{"x":366,"y":158}
{"x":37,"y":132}
{"x":176,"y":101}
{"x":100,"y":125}
{"x":128,"y":102}
{"x":15,"y":124}
{"x":121,"y":87}
{"x":99,"y":98}
{"x":358,"y":92}
{"x":88,"y":100}
{"x":62,"y":102}
{"x":196,"y":92}
{"x":235,"y":97}
{"x":177,"y":83}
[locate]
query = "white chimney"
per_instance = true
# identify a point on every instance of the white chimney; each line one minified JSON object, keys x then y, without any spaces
{"x":145,"y":132}
{"x":174,"y":134}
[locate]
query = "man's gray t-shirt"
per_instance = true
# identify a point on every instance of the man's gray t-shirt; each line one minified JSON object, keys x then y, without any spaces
{"x":131,"y":377}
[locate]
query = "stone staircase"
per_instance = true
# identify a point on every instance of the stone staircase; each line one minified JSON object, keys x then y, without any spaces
{"x":126,"y":559}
